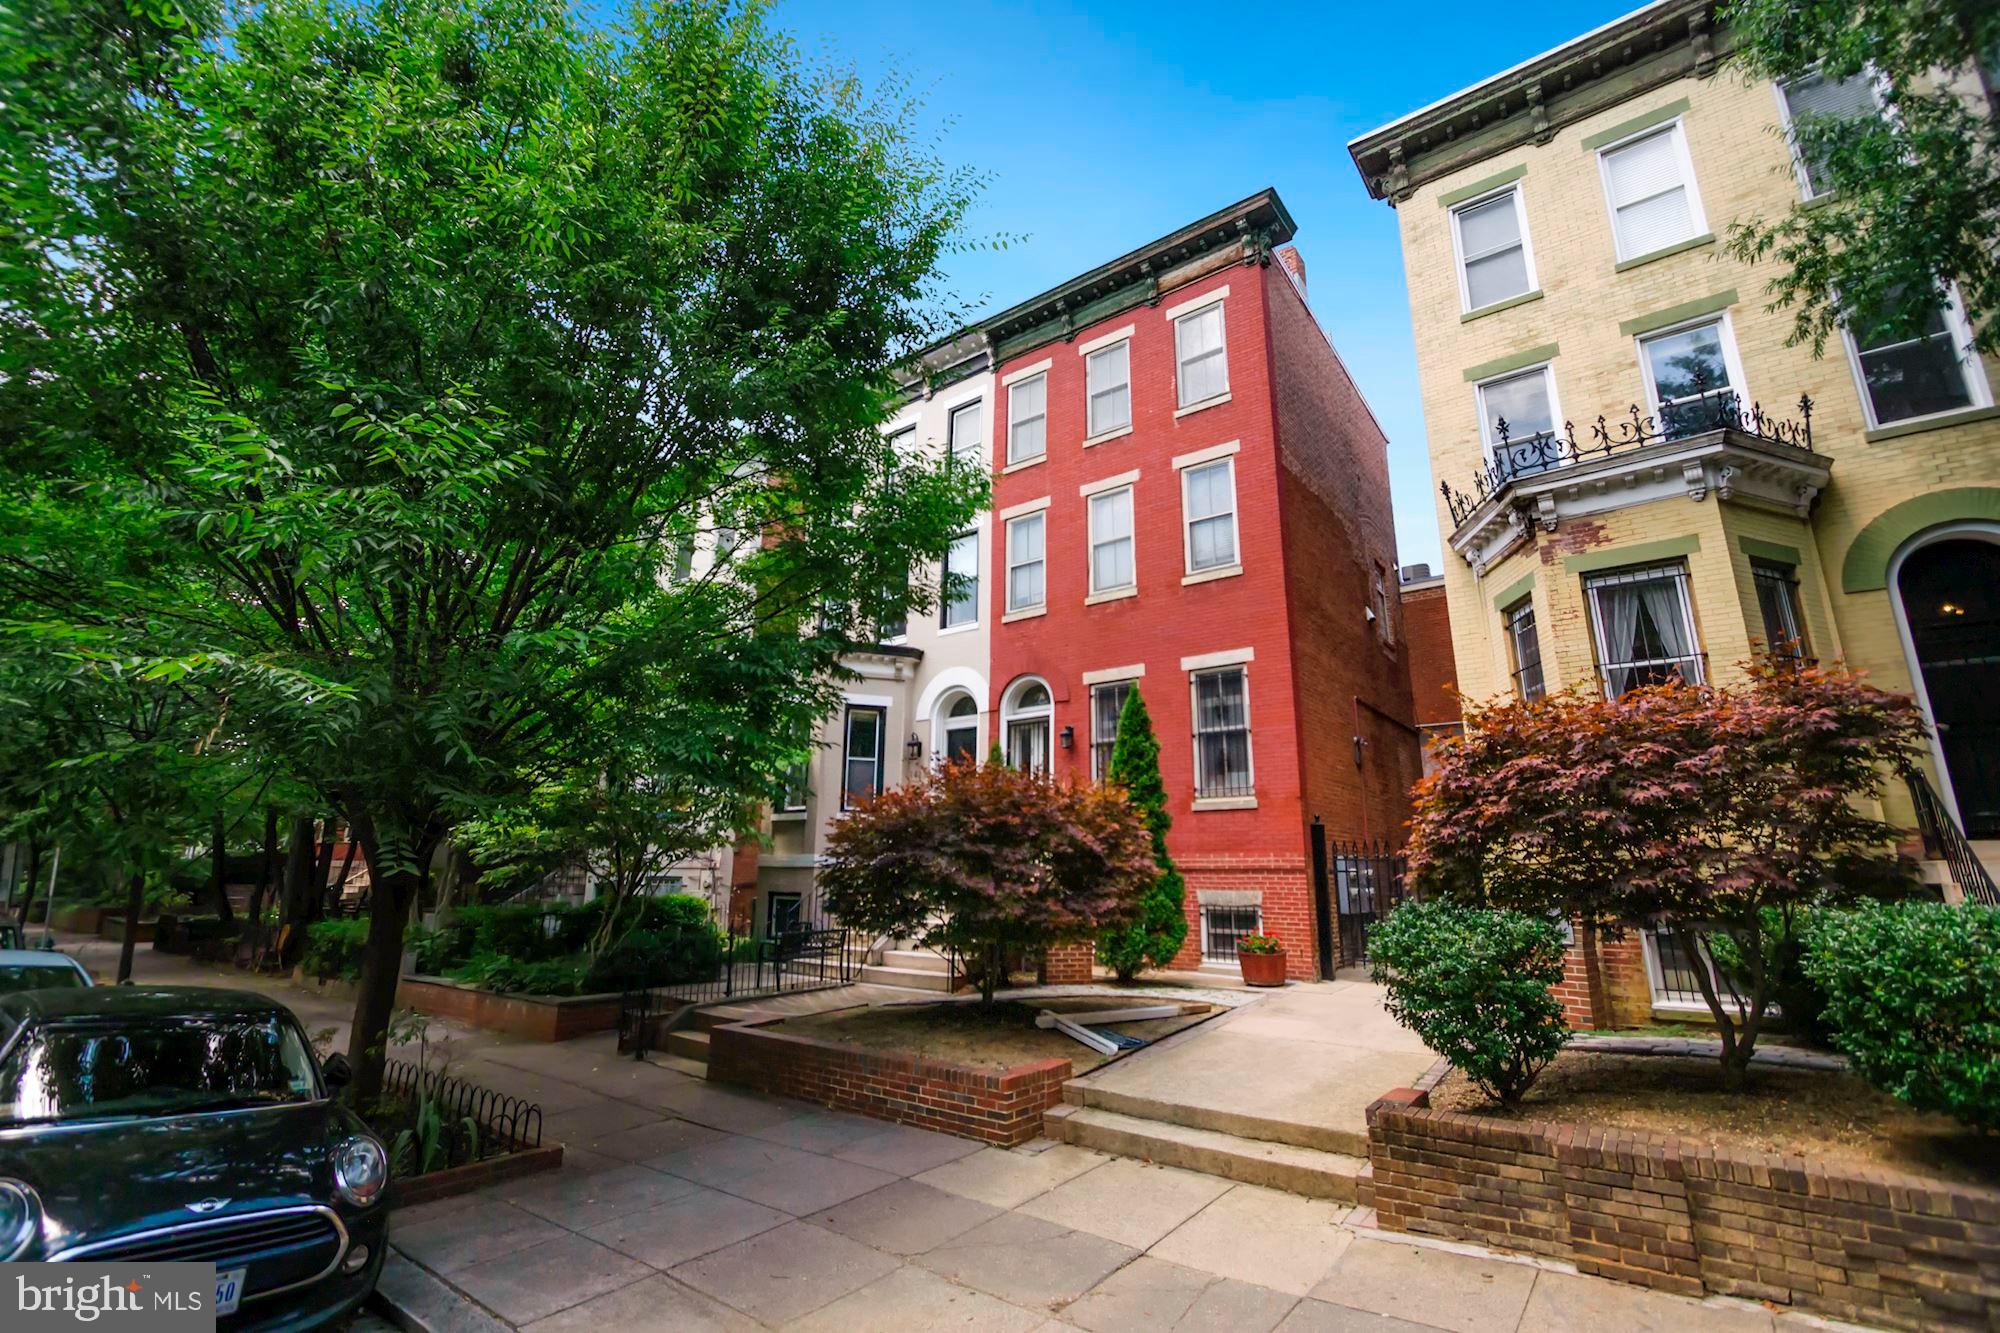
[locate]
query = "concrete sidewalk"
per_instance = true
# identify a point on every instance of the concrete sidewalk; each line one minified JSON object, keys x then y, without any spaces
{"x":683,"y":1205}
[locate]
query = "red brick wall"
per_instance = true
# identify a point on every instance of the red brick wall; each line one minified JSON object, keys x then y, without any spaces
{"x":1427,"y":648}
{"x":1604,"y":982}
{"x":1339,"y":537}
{"x":1004,"y":1107}
{"x":1286,"y":885}
{"x":1863,"y":1245}
{"x":1067,"y":964}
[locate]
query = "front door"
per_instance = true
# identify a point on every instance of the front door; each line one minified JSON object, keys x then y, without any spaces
{"x":1951,"y":594}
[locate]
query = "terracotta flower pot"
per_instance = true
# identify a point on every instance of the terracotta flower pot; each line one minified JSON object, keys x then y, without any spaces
{"x":1263,"y":969}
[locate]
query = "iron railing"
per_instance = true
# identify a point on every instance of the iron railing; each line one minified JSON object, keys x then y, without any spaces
{"x":1945,"y":841}
{"x":1695,"y":415}
{"x":752,"y":965}
{"x":502,"y":1124}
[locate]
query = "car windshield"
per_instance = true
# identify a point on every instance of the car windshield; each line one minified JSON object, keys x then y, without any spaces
{"x":41,"y":976}
{"x":154,"y":1067}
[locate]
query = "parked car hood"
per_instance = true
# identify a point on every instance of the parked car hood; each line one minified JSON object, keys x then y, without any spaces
{"x":103,"y":1178}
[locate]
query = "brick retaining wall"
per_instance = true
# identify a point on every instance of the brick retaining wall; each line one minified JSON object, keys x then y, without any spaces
{"x":1868,"y":1245}
{"x":535,"y":1017}
{"x":1002,"y":1106}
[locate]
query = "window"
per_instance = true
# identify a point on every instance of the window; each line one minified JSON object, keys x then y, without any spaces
{"x":1644,"y":627}
{"x":961,"y":731}
{"x":1816,"y":97}
{"x":1778,"y":600}
{"x":1028,"y":714}
{"x":961,"y":581}
{"x":1907,"y":378}
{"x":1519,"y":408}
{"x":782,"y":915}
{"x":797,"y":787}
{"x":1208,"y":507}
{"x":1650,"y":185}
{"x":1492,"y":240}
{"x":861,"y":761}
{"x":1202,"y":362}
{"x":1106,"y":703}
{"x":1111,"y":565}
{"x":1028,"y":419}
{"x":1221,"y":927}
{"x":1384,"y":626}
{"x":1025,"y":566}
{"x":1525,"y":648}
{"x":1222,"y":733}
{"x":968,"y":432}
{"x":1691,"y":377}
{"x":1108,"y":372}
{"x":683,"y":558}
{"x":901,"y":440}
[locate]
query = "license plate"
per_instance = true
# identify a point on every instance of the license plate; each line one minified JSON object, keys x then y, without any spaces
{"x":229,"y":1290}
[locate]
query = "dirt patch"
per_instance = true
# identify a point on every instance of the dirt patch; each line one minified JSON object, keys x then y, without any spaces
{"x":1827,"y":1115}
{"x":965,"y":1033}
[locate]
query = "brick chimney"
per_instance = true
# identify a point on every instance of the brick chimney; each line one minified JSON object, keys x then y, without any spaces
{"x":1294,"y":264}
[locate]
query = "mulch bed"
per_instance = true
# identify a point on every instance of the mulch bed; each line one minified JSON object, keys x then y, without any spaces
{"x":1830,"y":1116}
{"x":966,"y":1033}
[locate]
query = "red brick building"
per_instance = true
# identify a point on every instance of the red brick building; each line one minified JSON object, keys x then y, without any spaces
{"x":1191,"y":497}
{"x":1433,"y":670}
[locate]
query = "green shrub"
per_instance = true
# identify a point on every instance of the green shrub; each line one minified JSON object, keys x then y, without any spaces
{"x":649,"y":958}
{"x":334,"y":949}
{"x":1475,"y":986}
{"x":510,"y":976}
{"x":1913,"y":998}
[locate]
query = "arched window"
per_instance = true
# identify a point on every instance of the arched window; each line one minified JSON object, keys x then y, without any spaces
{"x":956,"y":731}
{"x":1027,"y":716}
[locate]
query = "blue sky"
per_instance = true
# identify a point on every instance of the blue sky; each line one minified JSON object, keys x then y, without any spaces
{"x":1106,"y":123}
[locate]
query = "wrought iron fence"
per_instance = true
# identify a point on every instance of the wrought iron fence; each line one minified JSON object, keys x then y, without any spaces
{"x":1945,"y":841}
{"x":1700,"y":412}
{"x":500,"y":1123}
{"x":797,"y":956}
{"x":1369,"y":882}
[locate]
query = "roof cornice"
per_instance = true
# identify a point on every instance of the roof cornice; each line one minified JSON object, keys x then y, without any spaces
{"x":1665,"y":41}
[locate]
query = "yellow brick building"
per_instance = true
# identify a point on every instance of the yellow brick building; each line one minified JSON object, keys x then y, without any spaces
{"x":1562,"y":227}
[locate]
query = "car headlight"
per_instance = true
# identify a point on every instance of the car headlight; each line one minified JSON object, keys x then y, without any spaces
{"x":360,"y":1170}
{"x":20,"y":1218}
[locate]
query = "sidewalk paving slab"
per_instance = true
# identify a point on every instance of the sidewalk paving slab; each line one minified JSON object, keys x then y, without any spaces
{"x":913,"y":1298}
{"x":785,"y":1273}
{"x":1571,"y":1303}
{"x":579,"y":1200}
{"x":1459,"y":1292}
{"x":1028,"y":1261}
{"x":905,"y":1218}
{"x":1311,"y":1316}
{"x":1267,"y":1237}
{"x":546,"y":1277}
{"x":1128,"y":1201}
{"x":1149,"y":1294}
{"x":1008,"y":1178}
{"x":695,"y":1224}
{"x":906,"y":1150}
{"x":447,"y":1235}
{"x":656,"y":1304}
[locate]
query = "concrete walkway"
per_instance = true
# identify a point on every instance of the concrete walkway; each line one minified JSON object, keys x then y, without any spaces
{"x":687,"y":1206}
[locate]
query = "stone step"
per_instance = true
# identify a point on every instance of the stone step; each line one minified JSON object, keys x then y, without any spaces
{"x":689,"y":1044}
{"x":920,"y":960}
{"x":1283,"y":1166}
{"x":909,"y":978}
{"x":1319,"y":1138}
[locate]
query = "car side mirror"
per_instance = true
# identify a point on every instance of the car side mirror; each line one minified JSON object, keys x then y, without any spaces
{"x":336,"y":1071}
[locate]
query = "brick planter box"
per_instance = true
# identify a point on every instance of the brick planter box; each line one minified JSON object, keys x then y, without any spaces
{"x":534,"y":1017}
{"x":1872,"y":1246}
{"x":83,"y":920}
{"x":1002,"y":1106}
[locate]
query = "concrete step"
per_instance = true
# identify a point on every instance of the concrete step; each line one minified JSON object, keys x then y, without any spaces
{"x":1235,"y":1124}
{"x":921,"y":960}
{"x":1283,"y":1166}
{"x":909,"y":978}
{"x":689,"y":1044}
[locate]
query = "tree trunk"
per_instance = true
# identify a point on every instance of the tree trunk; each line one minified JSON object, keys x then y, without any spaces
{"x":298,"y":886}
{"x":266,"y":880}
{"x":392,"y":897}
{"x":135,"y":896}
{"x":218,"y":850}
{"x":34,"y":878}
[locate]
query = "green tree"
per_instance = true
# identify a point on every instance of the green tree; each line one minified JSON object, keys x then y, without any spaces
{"x":427,"y":337}
{"x":1155,"y":937}
{"x":1906,"y":203}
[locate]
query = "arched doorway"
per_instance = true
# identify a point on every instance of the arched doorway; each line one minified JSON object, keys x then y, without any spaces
{"x":955,"y":729}
{"x":1949,"y":589}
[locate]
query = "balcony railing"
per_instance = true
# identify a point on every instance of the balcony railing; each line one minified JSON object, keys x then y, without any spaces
{"x":1697,"y":414}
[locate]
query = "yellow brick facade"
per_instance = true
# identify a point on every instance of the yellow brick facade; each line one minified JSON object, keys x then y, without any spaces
{"x":1742,"y":168}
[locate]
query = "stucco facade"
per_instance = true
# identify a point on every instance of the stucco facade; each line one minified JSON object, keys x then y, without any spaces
{"x":1904,"y":452}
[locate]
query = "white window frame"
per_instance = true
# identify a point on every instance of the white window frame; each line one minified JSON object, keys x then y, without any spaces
{"x":1970,"y":365}
{"x":945,"y":623}
{"x":1180,"y":359}
{"x":1091,"y":429}
{"x":1090,"y":523}
{"x":1737,"y":384}
{"x":1675,"y":569}
{"x":1697,"y":215}
{"x":1040,"y":517}
{"x":1187,"y":524}
{"x":1458,"y":247}
{"x":943,"y":724}
{"x":880,"y":759}
{"x":1225,"y":960}
{"x":1012,"y":715}
{"x":1128,"y":683}
{"x":1014,"y":422}
{"x":1799,"y":171}
{"x":957,"y":410}
{"x":1249,"y":794}
{"x":1487,"y":438}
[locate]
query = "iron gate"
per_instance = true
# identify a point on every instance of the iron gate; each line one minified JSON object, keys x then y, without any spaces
{"x":1360,"y":882}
